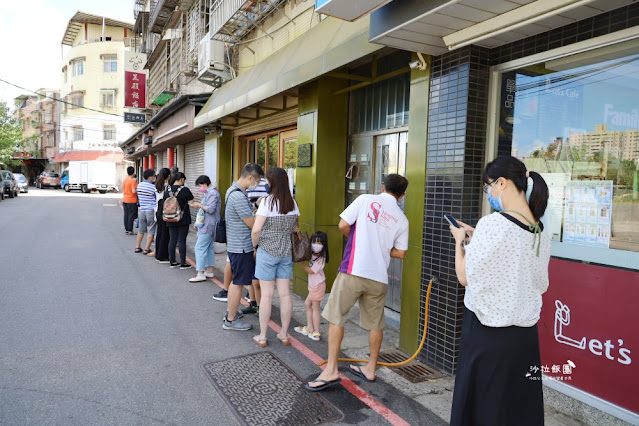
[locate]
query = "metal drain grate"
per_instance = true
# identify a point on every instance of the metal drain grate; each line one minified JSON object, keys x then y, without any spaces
{"x":414,"y":371}
{"x":275,"y":396}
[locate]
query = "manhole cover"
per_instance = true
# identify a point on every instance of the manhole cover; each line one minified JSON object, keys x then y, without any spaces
{"x":275,"y":396}
{"x":414,"y":371}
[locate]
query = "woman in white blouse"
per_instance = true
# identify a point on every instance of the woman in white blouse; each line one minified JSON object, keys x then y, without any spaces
{"x":503,"y":263}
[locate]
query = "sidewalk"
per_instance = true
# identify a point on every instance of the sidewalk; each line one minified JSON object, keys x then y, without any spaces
{"x":436,"y":395}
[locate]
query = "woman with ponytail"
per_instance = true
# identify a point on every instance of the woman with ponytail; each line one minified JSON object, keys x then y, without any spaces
{"x":161,"y":252}
{"x":503,"y":263}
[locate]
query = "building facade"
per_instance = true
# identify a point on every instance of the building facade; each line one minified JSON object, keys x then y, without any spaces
{"x":39,"y":116}
{"x":435,"y":92}
{"x":92,"y":83}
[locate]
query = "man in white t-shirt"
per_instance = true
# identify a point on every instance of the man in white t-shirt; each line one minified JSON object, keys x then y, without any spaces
{"x":377,"y":230}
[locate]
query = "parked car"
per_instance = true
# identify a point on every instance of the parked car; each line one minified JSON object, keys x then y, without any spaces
{"x":23,"y":183}
{"x":9,"y":184}
{"x":48,"y":180}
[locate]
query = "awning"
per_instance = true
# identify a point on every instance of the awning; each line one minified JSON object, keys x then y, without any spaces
{"x":437,"y":26}
{"x":115,"y":156}
{"x":329,"y":45}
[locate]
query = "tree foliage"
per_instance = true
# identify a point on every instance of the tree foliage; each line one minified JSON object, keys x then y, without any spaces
{"x":10,"y":135}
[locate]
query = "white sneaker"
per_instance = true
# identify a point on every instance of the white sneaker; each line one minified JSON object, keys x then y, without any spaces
{"x":209,"y":274}
{"x":197,"y":279}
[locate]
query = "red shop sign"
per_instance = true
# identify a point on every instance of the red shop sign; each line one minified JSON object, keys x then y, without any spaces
{"x":589,"y":332}
{"x":134,"y":89}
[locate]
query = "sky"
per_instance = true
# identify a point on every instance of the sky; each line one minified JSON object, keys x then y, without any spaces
{"x":31,"y":35}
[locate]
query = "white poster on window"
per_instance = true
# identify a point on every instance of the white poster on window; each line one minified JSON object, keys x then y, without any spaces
{"x":554,"y":212}
{"x":587,"y":213}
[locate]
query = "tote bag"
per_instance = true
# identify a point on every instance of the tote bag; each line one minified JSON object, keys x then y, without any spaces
{"x":301,"y":246}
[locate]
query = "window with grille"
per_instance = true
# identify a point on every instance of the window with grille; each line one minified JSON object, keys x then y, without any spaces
{"x":78,"y":67}
{"x":110,"y":63}
{"x":109,"y":132}
{"x":78,"y":133}
{"x":107,"y":98}
{"x":76,"y":101}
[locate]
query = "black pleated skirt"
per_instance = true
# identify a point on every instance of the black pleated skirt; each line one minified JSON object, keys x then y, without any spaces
{"x":498,"y":378}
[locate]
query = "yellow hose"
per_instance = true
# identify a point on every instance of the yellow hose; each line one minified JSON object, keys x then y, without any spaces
{"x":398,"y":364}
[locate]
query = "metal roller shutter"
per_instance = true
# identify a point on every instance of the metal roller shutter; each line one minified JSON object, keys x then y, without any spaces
{"x":194,"y":167}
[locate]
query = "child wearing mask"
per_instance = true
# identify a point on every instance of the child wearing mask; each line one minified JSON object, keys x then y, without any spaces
{"x":316,"y":285}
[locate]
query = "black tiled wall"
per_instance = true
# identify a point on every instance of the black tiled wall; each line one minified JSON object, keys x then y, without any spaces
{"x":455,"y":158}
{"x":456,"y":141}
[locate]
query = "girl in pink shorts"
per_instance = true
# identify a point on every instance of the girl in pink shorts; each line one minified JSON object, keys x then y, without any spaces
{"x":316,"y":285}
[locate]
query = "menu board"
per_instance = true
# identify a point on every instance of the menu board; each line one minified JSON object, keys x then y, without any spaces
{"x":588,"y":212}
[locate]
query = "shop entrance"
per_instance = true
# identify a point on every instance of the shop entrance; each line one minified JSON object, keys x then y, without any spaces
{"x":371,"y":159}
{"x":276,"y":148}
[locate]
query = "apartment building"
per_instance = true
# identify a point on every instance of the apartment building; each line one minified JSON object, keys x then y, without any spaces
{"x":92,"y":83}
{"x":39,"y":115}
{"x":622,"y":144}
{"x":170,"y":33}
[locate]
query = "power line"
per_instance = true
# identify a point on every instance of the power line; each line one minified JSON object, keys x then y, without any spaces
{"x":60,"y":100}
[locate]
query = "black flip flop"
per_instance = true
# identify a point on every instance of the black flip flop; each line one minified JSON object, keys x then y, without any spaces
{"x":327,"y":384}
{"x":357,"y":370}
{"x":138,"y":250}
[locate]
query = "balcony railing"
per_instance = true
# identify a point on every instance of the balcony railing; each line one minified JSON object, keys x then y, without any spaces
{"x":161,"y":13}
{"x":232,"y":20}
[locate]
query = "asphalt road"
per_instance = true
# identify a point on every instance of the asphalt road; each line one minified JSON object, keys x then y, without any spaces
{"x":91,"y":333}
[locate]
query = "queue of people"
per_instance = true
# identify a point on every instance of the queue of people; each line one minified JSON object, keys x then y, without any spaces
{"x":502,"y":263}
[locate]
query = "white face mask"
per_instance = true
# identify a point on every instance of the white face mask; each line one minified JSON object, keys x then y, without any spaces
{"x":317,"y":247}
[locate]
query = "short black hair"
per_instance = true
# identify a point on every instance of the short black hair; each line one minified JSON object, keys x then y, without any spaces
{"x":396,"y":184}
{"x":148,"y":173}
{"x":203,"y":179}
{"x":254,"y":170}
{"x":130,"y":170}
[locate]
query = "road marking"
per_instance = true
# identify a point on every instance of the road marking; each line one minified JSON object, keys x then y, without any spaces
{"x":392,"y":417}
{"x":110,"y":205}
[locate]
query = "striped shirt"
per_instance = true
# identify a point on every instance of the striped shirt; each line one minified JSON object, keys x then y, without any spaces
{"x":146,"y":196}
{"x":238,"y":207}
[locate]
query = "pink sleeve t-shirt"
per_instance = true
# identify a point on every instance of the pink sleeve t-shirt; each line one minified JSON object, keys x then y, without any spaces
{"x":377,"y":225}
{"x":318,"y":277}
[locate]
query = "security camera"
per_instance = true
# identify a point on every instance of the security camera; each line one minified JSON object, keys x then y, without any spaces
{"x":418,"y":64}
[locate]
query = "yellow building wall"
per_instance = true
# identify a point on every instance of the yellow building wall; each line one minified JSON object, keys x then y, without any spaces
{"x":284,"y":26}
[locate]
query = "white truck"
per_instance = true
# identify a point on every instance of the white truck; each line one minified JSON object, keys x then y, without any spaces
{"x":87,"y":176}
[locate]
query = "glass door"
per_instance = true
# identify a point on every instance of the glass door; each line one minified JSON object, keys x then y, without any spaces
{"x":390,"y":157}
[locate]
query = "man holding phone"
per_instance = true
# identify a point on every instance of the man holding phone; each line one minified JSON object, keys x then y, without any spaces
{"x":377,"y":230}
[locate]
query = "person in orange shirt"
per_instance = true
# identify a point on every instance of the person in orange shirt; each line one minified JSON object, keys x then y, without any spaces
{"x":129,"y":200}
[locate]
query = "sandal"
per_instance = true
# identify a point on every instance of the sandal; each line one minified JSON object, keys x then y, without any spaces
{"x":302,"y":330}
{"x":284,"y":340}
{"x":262,"y":343}
{"x":314,"y":336}
{"x":138,"y":250}
{"x":146,"y":251}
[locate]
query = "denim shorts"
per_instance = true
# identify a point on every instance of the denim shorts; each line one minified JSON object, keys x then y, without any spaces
{"x":269,"y":268}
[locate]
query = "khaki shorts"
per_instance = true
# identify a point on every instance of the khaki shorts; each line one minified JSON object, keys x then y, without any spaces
{"x":348,"y":289}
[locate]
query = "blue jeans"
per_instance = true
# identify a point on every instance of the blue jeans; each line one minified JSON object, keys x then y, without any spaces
{"x":269,"y":268}
{"x":204,"y":252}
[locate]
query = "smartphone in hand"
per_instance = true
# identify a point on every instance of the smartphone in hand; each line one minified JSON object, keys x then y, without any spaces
{"x":451,"y":220}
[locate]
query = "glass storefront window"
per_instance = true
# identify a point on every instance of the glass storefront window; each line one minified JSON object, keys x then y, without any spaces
{"x":575,"y":120}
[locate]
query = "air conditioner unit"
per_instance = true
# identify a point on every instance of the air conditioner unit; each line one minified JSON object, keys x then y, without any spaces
{"x":148,"y":140}
{"x":210,"y":55}
{"x":131,"y":150}
{"x":211,"y":62}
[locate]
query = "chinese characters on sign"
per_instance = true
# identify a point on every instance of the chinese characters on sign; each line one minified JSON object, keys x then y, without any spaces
{"x":134,"y":80}
{"x":131,"y":117}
